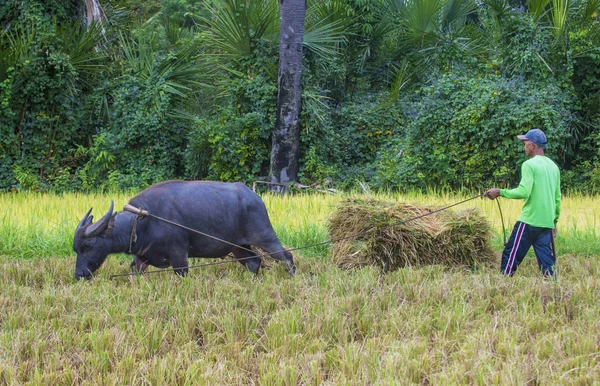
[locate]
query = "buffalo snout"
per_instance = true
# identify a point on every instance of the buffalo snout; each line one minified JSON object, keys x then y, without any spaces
{"x":83,"y":274}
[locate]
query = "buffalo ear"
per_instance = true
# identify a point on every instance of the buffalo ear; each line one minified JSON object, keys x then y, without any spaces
{"x":101,"y":225}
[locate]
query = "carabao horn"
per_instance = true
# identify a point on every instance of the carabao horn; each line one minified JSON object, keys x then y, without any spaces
{"x":100,"y":225}
{"x":84,"y":220}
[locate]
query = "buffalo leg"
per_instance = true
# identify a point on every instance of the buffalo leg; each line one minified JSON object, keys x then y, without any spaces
{"x":138,"y":265}
{"x":180,"y":265}
{"x":251,"y":263}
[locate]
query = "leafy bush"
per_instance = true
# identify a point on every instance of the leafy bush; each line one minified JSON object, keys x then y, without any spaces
{"x":461,"y":132}
{"x":72,"y":120}
{"x":230,"y":148}
{"x":142,"y":144}
{"x":341,"y":143}
{"x":47,"y":70}
{"x":586,"y":83}
{"x":234,"y":143}
{"x":524,"y":47}
{"x":8,"y":140}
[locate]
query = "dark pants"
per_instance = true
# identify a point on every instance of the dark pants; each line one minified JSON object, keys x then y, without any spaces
{"x":521,"y":239}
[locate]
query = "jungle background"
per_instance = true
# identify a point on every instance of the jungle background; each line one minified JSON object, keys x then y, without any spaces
{"x":397,"y":95}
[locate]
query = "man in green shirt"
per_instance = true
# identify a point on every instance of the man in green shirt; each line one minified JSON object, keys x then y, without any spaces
{"x":540,"y":188}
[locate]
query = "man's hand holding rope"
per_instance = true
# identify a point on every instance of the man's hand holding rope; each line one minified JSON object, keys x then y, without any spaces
{"x":492,"y":193}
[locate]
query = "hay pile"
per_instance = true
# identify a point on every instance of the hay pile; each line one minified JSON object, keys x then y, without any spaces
{"x":446,"y":237}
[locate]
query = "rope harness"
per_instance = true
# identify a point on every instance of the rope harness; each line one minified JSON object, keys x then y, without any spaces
{"x":141,"y":213}
{"x":133,"y":236}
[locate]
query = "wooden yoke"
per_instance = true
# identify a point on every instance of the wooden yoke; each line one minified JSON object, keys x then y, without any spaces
{"x":138,"y":211}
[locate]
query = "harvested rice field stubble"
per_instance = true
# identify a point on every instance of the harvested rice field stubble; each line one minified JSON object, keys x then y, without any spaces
{"x":221,"y":325}
{"x":394,"y":235}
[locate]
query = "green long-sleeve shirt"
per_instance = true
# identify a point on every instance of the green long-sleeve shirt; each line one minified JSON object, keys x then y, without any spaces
{"x":540,"y":188}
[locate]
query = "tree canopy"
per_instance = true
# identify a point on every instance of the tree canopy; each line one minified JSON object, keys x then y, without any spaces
{"x":396,"y":94}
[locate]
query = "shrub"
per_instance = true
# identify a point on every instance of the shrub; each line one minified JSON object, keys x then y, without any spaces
{"x":229,"y":148}
{"x":342,"y":144}
{"x":461,"y":132}
{"x":46,"y":70}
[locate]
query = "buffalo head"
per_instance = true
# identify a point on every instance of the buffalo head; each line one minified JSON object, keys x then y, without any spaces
{"x":91,"y":244}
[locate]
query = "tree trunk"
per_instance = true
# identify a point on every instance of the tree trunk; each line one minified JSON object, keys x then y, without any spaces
{"x":94,"y":12}
{"x":285,"y":153}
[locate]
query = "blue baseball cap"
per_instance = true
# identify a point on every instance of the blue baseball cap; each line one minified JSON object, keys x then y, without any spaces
{"x":536,"y":136}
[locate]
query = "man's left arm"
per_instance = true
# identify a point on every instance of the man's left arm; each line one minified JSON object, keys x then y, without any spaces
{"x":557,"y":200}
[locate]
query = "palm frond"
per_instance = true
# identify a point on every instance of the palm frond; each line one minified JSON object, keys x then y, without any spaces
{"x":81,"y":44}
{"x":177,"y":34}
{"x":401,"y":77}
{"x":537,"y":8}
{"x":231,"y":29}
{"x":455,"y":13}
{"x":18,"y":44}
{"x":326,"y":27}
{"x":324,"y":38}
{"x":560,"y":15}
{"x":317,"y":105}
{"x":140,"y":56}
{"x":421,"y":17}
{"x":413,"y":22}
{"x":589,"y":9}
{"x":180,"y":69}
{"x":234,"y":24}
{"x":264,"y":19}
{"x":498,"y":9}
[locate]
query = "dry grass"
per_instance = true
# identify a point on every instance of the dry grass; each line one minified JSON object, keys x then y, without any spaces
{"x":325,"y":326}
{"x":388,"y":240}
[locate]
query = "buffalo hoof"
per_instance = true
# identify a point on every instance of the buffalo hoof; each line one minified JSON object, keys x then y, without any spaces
{"x":253,"y":266}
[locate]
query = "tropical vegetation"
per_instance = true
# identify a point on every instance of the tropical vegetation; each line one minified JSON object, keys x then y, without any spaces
{"x":396,"y":94}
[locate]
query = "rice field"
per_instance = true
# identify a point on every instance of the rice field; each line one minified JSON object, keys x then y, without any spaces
{"x":324,"y":326}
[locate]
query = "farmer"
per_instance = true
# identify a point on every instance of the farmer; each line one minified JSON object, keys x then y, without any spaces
{"x":540,"y":188}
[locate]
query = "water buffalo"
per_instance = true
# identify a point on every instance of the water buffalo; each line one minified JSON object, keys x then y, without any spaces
{"x":228,"y":211}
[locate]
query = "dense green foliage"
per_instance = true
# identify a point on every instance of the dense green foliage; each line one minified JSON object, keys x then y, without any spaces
{"x":458,"y":126}
{"x":402,"y":95}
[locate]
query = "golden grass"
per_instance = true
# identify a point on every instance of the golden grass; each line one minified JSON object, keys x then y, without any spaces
{"x":325,"y":326}
{"x":38,"y":225}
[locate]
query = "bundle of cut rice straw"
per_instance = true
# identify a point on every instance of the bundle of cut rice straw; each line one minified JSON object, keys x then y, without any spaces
{"x":387,"y":240}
